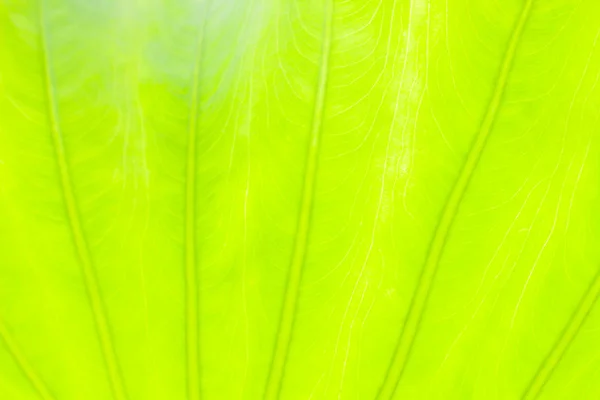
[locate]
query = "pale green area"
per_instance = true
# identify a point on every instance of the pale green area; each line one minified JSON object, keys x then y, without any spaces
{"x":99,"y":99}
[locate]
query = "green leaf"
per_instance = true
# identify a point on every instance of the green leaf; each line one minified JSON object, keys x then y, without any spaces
{"x":299,"y":199}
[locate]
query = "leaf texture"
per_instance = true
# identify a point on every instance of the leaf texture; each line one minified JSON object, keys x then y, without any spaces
{"x":299,"y":199}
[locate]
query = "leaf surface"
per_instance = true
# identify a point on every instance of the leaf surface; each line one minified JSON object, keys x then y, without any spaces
{"x":320,"y":199}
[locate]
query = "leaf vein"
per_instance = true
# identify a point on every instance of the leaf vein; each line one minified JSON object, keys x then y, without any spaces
{"x":15,"y":351}
{"x":191,"y":273}
{"x":438,"y":242}
{"x":79,"y":239}
{"x":284,"y":334}
{"x":560,"y":347}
